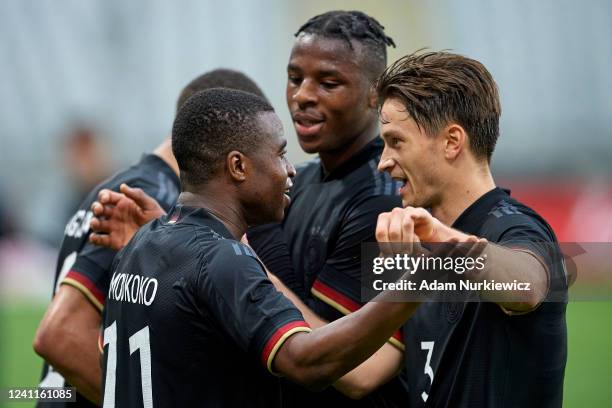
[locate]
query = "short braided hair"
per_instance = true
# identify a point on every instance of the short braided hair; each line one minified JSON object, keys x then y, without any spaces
{"x":353,"y":26}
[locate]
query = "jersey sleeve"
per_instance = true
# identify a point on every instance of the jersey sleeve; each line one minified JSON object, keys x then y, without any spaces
{"x":237,"y":292}
{"x":527,"y":236}
{"x":91,"y":270}
{"x":90,"y":273}
{"x":338,"y":284}
{"x":522,"y":232}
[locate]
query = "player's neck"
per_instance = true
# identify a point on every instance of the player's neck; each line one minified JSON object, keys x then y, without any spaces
{"x":332,"y":159}
{"x":218,"y":205}
{"x":462,"y":192}
{"x":164,"y":152}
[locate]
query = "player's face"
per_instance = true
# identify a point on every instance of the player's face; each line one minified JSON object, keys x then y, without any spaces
{"x":410,"y":156}
{"x":272,"y":173}
{"x":327,"y":94}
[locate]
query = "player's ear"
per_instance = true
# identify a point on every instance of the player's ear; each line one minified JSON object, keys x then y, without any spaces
{"x":455,"y":139}
{"x":236,"y":165}
{"x":372,"y":98}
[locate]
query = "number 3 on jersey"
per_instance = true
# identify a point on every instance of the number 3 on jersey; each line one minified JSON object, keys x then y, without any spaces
{"x":138,"y":341}
{"x":429,"y":346}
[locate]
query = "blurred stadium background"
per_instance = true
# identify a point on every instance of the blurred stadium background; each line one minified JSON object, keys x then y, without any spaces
{"x":89,"y":85}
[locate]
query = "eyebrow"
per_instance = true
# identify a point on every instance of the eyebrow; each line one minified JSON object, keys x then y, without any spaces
{"x":322,"y":73}
{"x":330,"y":72}
{"x":391,"y":133}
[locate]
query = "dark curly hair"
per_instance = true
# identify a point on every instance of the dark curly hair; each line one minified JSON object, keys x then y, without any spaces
{"x":209,"y":125}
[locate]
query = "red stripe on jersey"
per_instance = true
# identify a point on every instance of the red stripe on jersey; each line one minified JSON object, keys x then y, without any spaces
{"x":399,"y":336}
{"x":85,"y":281}
{"x":278,"y":334}
{"x":336,"y":296}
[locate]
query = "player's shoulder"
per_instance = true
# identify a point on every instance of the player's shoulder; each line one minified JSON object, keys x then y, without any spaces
{"x":366,"y":181}
{"x":381,"y":183}
{"x":229,"y":264}
{"x":151,"y":174}
{"x":373,"y":191}
{"x":136,"y":175}
{"x":306,"y":174}
{"x":146,"y":173}
{"x":509,"y":214}
{"x":229,"y":253}
{"x":511,"y":211}
{"x":78,"y":224}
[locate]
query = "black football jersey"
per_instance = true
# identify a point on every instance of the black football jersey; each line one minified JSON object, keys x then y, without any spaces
{"x":86,"y":266}
{"x":475,"y":354}
{"x":191,"y":319}
{"x":316,"y":251}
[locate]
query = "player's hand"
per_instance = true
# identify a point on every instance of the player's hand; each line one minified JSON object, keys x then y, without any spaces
{"x":402,"y":229}
{"x":117,"y":216}
{"x":461,"y":246}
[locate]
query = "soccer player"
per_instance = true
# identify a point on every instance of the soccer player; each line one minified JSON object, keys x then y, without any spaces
{"x":67,"y":335}
{"x":191,"y":318}
{"x":440,"y":122}
{"x":336,"y":198}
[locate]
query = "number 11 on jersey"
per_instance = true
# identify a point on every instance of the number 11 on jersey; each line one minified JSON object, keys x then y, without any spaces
{"x":138,"y":341}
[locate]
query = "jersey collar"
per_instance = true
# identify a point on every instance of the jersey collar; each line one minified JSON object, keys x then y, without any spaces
{"x":197,"y":215}
{"x":472,"y":218}
{"x":372,"y":150}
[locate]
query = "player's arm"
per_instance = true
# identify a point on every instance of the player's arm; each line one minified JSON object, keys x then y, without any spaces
{"x":503,"y":264}
{"x":506,"y":264}
{"x":331,"y":351}
{"x":117,"y":216}
{"x":377,"y":370}
{"x":237,"y":292}
{"x":323,"y":356}
{"x":67,"y":339}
